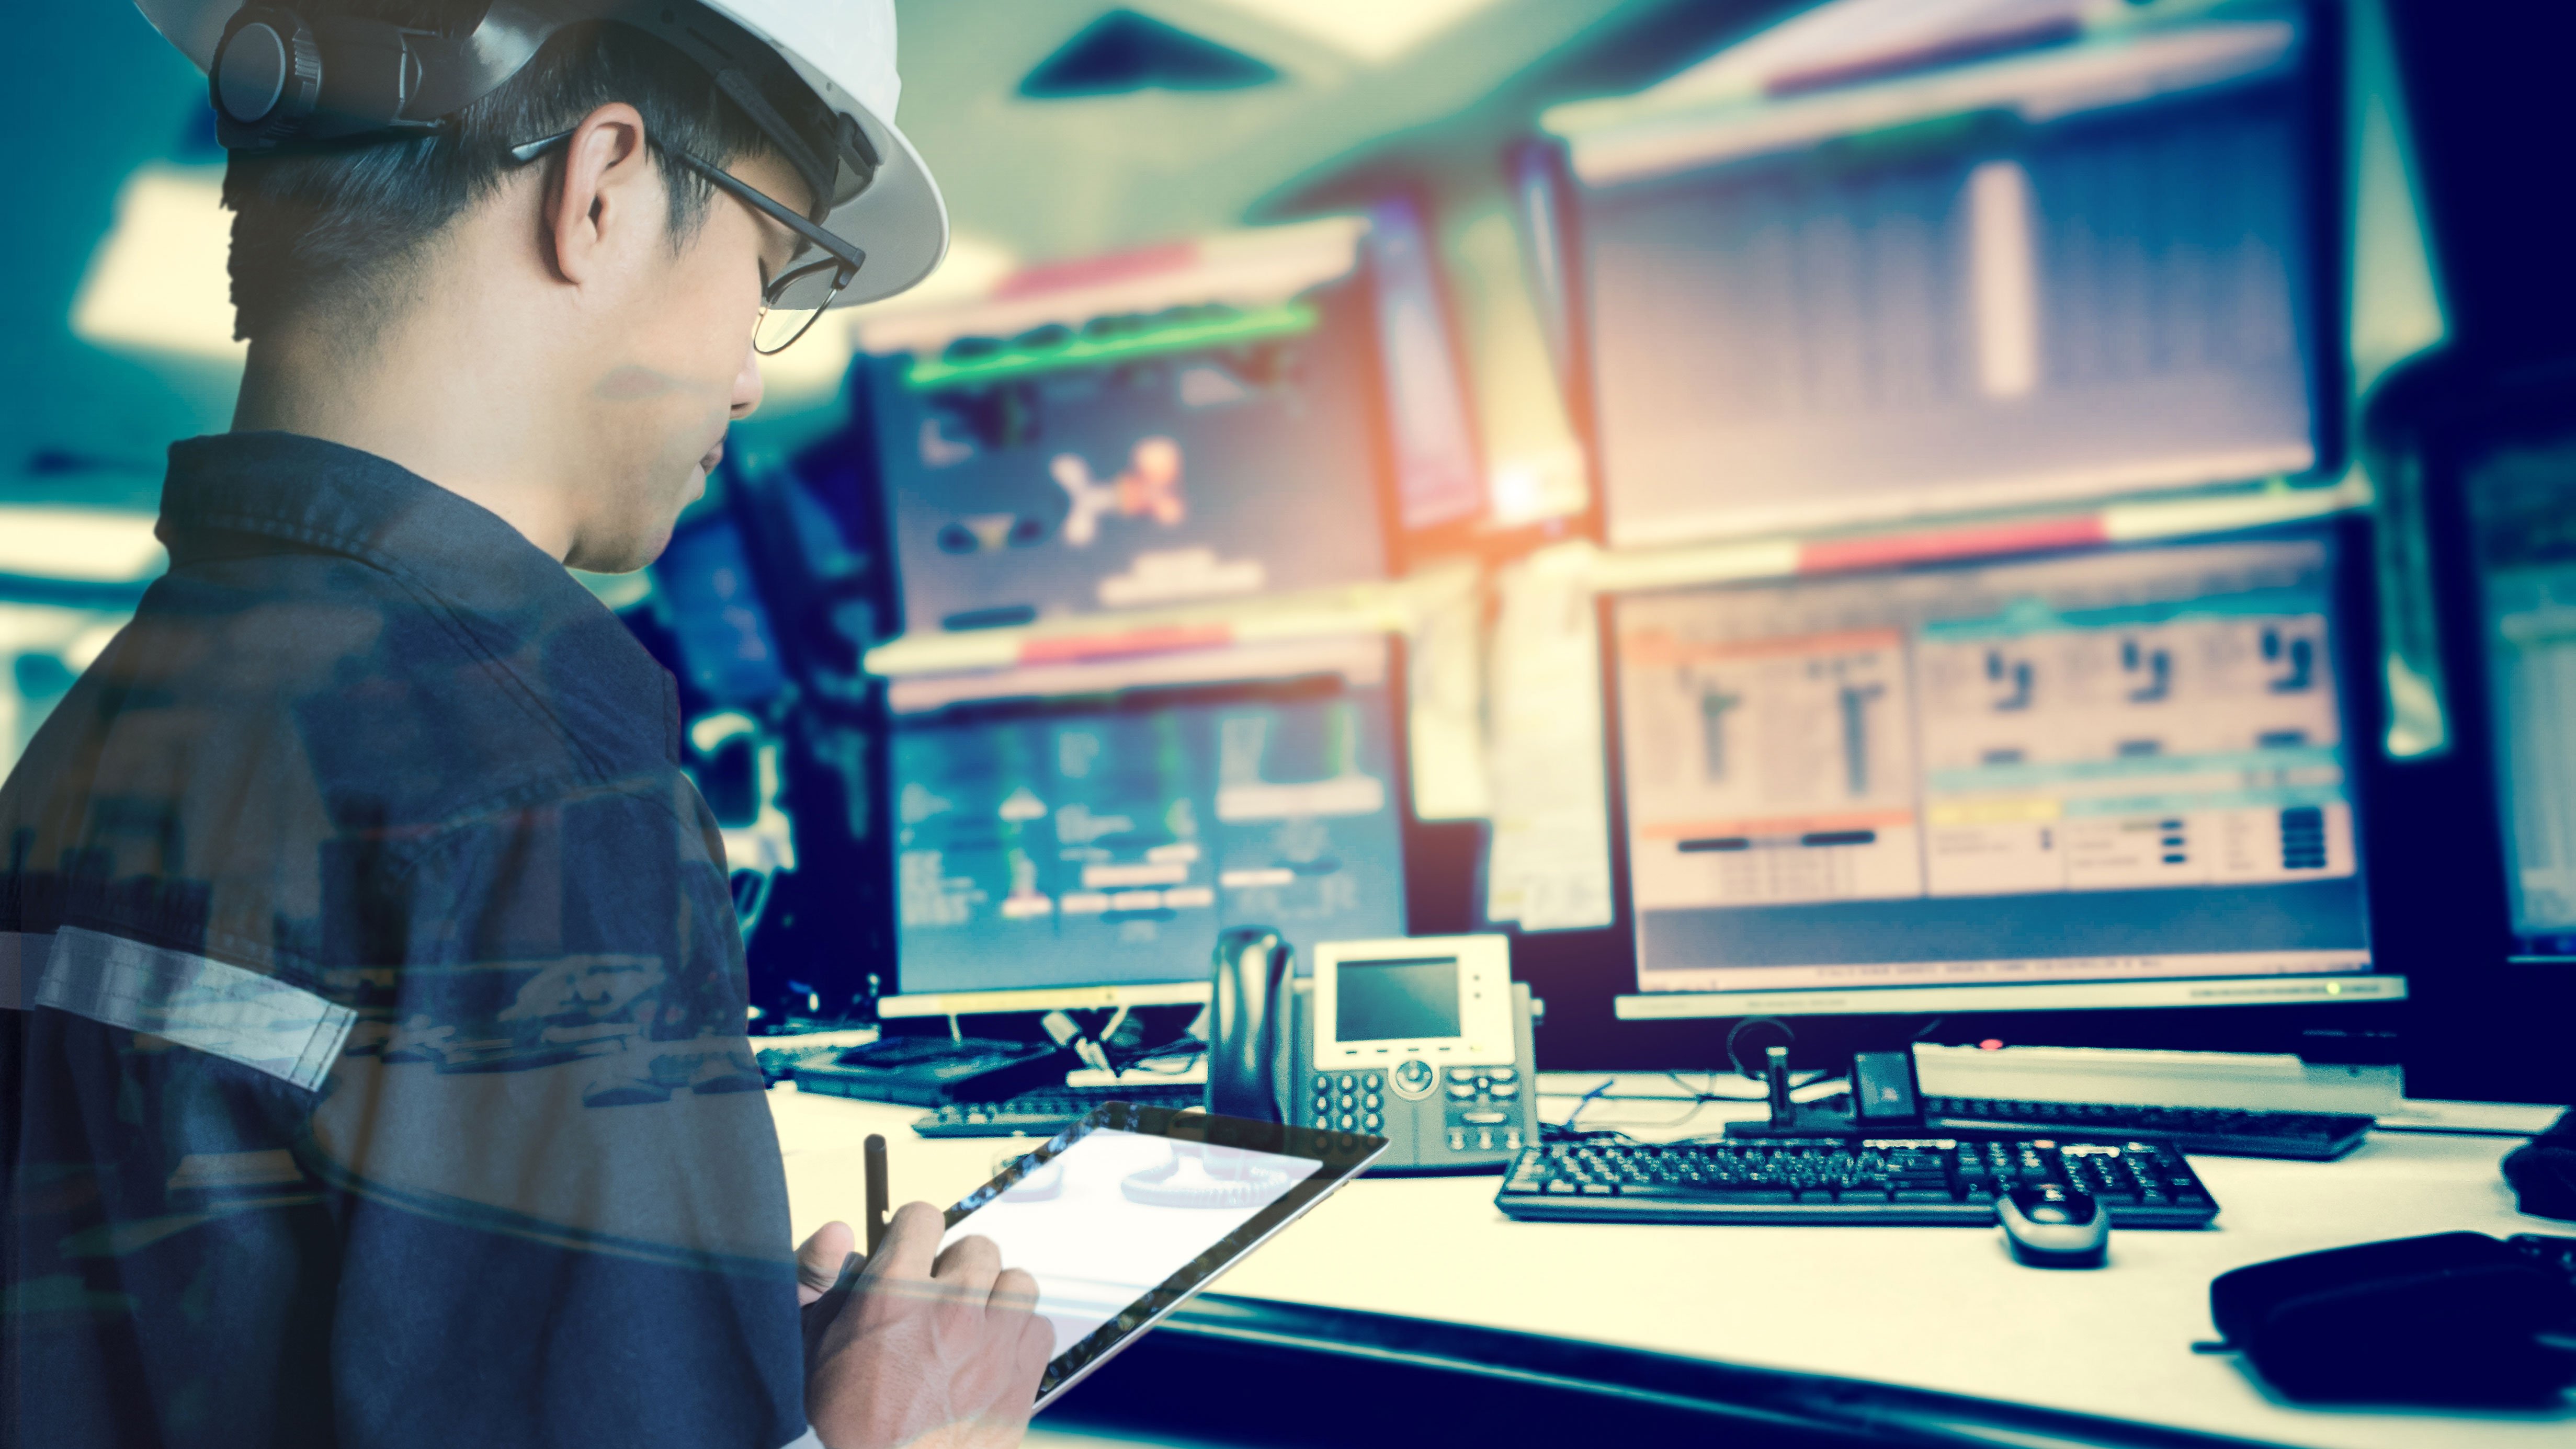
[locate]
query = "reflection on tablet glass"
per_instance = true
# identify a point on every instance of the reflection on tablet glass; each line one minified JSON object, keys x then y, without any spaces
{"x":1198,"y":1176}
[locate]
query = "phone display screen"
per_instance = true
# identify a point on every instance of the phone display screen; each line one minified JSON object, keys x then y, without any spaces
{"x":1391,"y":1000}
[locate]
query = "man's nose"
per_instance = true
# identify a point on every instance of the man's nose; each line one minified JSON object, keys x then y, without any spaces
{"x":747,"y":385}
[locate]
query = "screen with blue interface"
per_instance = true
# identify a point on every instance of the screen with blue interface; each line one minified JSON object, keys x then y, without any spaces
{"x":2523,"y":513}
{"x":2056,"y":274}
{"x":1105,"y":837}
{"x":713,"y":608}
{"x":2122,"y":766}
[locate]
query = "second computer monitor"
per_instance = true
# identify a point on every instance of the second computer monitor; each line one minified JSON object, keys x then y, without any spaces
{"x":2053,"y":272}
{"x":1080,"y":833}
{"x":2121,"y":778}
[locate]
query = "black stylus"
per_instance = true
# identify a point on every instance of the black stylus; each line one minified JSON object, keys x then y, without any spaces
{"x":876,"y":1193}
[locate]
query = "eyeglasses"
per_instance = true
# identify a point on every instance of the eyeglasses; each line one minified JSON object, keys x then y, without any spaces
{"x":795,"y":297}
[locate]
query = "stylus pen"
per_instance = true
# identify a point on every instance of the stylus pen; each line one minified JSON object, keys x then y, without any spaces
{"x":876,"y":1193}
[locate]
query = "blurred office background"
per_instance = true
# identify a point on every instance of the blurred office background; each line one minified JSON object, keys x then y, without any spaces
{"x":1424,"y":320}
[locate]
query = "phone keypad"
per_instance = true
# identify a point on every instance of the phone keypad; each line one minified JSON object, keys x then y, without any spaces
{"x":1482,"y":1106}
{"x":1351,"y":1101}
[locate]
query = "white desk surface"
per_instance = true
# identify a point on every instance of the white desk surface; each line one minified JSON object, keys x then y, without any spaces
{"x":1936,"y":1308}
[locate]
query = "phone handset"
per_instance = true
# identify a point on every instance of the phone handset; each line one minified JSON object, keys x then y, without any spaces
{"x":1249,"y":1026}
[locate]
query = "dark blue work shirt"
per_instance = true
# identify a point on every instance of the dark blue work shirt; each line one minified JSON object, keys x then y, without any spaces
{"x":372,"y":1067}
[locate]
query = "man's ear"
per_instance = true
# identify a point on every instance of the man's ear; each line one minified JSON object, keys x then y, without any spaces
{"x":606,"y":202}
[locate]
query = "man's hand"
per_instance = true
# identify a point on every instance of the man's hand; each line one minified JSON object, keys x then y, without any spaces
{"x":827,"y":1268}
{"x":920,"y":1352}
{"x":820,"y":1264}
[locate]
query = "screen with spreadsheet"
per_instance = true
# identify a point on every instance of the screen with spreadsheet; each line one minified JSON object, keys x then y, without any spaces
{"x":1097,"y":825}
{"x":2129,"y":765}
{"x":2058,"y":273}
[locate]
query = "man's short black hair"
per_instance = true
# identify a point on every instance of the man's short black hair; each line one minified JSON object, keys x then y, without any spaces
{"x":338,"y":228}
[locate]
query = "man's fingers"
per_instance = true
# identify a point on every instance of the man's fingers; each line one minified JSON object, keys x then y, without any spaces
{"x":1035,"y":1349}
{"x":820,"y":1263}
{"x":969,"y":1265}
{"x":1015,"y":1290}
{"x":911,"y":1240}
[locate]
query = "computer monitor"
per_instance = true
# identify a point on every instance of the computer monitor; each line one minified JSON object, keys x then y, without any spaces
{"x":709,"y":600}
{"x":1191,"y":424}
{"x":2494,"y":457}
{"x":2117,"y":778}
{"x":1439,"y":479}
{"x":2522,"y":535}
{"x":1077,"y":834}
{"x":2042,"y":263}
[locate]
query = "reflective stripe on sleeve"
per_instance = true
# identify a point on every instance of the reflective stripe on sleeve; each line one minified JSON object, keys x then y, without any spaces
{"x":196,"y":1001}
{"x":22,"y":962}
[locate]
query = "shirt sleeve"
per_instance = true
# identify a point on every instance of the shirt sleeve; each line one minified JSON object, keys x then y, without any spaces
{"x":565,"y":1217}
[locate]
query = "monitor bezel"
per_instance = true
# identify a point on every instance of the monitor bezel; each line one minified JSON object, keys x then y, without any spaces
{"x":896,"y":1003}
{"x":2365,"y":1018}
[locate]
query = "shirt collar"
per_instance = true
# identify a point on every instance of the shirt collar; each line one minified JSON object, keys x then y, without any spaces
{"x":520,"y":603}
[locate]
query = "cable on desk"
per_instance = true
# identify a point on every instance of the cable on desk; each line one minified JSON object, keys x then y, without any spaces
{"x":1567,"y":1131}
{"x":1588,"y":1097}
{"x":1710,"y":1093}
{"x":1693,"y":1094}
{"x":1170,"y":1059}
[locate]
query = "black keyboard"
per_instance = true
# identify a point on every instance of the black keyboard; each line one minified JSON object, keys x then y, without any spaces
{"x":1865,"y":1180}
{"x":778,"y":1063}
{"x":1048,"y":1110}
{"x":2222,"y":1131}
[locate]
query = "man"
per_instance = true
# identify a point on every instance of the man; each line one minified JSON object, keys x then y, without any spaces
{"x":371,"y":1066}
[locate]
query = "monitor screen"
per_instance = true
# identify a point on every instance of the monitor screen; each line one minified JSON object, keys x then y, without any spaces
{"x":1437,"y":479}
{"x":1193,"y":424}
{"x":2054,"y":274}
{"x":2522,"y":509}
{"x":712,"y":606}
{"x":1098,"y":825}
{"x":2124,"y":766}
{"x":1396,"y":1000}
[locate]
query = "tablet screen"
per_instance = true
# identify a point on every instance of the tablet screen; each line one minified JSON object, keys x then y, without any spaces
{"x":1133,"y":1209}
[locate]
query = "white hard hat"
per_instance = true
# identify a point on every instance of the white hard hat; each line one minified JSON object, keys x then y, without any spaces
{"x":842,"y":52}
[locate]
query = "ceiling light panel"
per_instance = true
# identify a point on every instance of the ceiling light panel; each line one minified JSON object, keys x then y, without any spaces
{"x":1375,"y":31}
{"x":159,"y":281}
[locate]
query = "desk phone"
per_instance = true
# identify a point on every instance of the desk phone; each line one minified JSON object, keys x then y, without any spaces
{"x":1424,"y":1041}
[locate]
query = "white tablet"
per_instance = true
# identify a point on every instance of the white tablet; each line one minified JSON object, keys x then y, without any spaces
{"x":1125,"y":1214}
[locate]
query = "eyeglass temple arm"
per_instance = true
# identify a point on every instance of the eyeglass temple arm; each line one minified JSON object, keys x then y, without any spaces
{"x":850,"y":257}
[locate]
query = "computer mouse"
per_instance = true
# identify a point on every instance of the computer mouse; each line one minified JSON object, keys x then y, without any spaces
{"x":2051,"y":1226}
{"x":2542,"y":1172}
